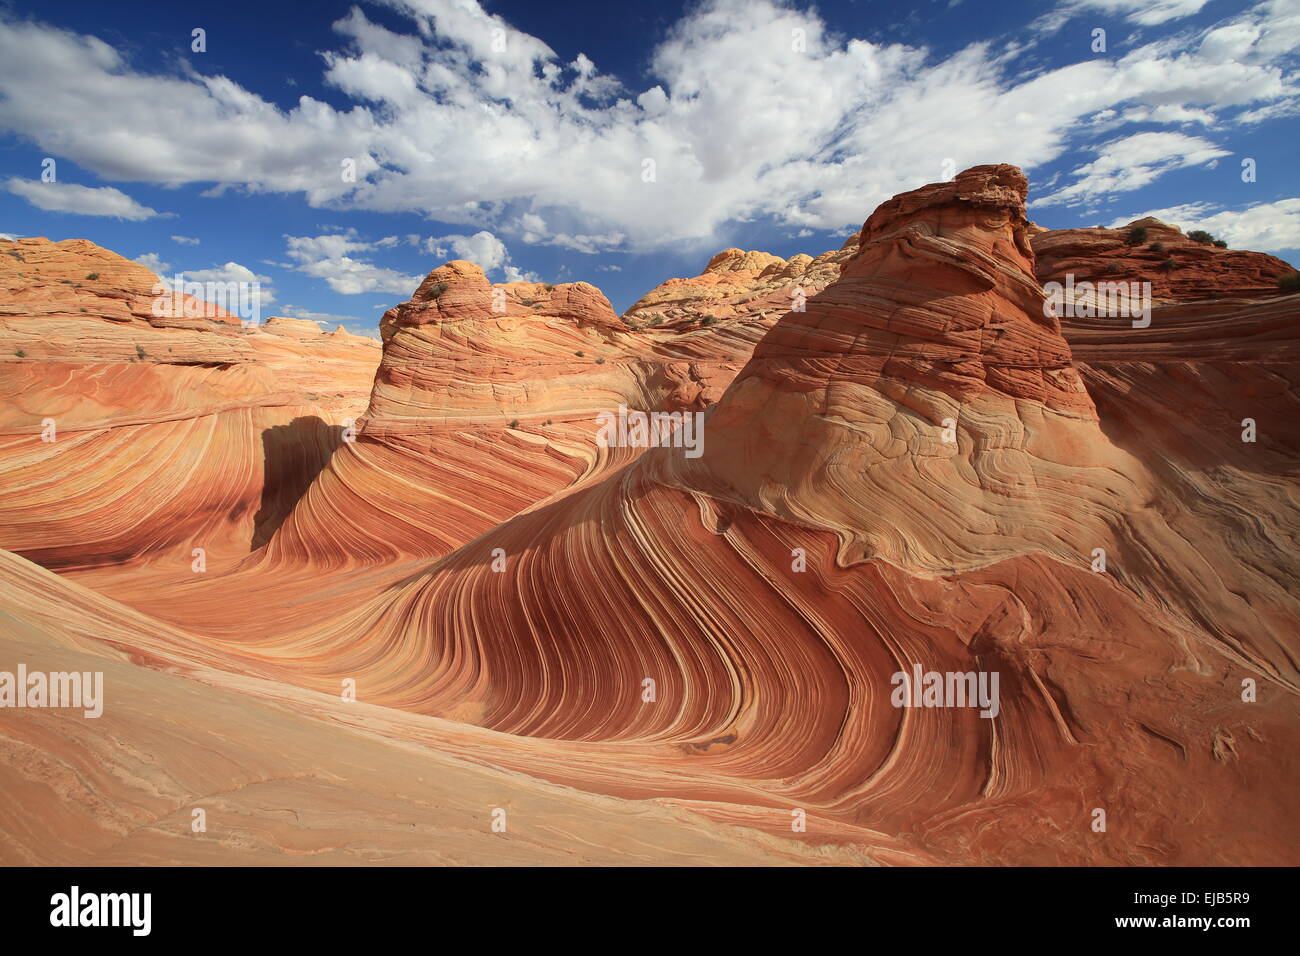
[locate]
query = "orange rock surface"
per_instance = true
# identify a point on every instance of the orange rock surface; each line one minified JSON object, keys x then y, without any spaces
{"x":1179,"y":269}
{"x":487,"y":397}
{"x":128,"y":432}
{"x":924,"y":469}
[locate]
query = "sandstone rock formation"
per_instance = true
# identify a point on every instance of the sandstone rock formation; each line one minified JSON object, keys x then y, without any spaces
{"x":336,"y":787}
{"x":924,"y":470}
{"x":716,"y":318}
{"x":487,"y":397}
{"x":955,"y":556}
{"x":136,"y":425}
{"x":1178,"y":268}
{"x":739,"y":284}
{"x":483,"y":404}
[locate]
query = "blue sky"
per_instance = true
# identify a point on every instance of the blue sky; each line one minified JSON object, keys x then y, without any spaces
{"x":618,"y":143}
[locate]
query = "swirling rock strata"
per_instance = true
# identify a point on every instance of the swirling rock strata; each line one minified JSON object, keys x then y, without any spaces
{"x":910,"y":474}
{"x":916,"y":472}
{"x":1179,"y":269}
{"x":488,"y":397}
{"x":137,"y":425}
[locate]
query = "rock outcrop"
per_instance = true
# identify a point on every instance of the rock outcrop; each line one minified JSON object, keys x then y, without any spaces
{"x":138,"y":425}
{"x":1179,"y":269}
{"x":923,"y":471}
{"x":488,"y":396}
{"x":484,"y":403}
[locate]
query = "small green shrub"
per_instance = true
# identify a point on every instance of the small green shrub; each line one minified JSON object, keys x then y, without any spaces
{"x":1289,"y":282}
{"x":1220,"y":244}
{"x":1201,"y":236}
{"x":514,"y":423}
{"x":140,"y":352}
{"x":708,"y":320}
{"x":1136,"y":236}
{"x":92,"y":275}
{"x":21,"y":354}
{"x":1169,"y":265}
{"x":1157,"y":247}
{"x":437,"y":289}
{"x":600,"y":361}
{"x":580,"y":354}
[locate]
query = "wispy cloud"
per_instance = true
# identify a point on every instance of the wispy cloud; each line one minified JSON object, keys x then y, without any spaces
{"x":1125,"y":164}
{"x":1141,"y":12}
{"x":80,"y":200}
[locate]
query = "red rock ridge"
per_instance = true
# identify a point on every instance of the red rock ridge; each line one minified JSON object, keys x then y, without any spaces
{"x":1179,"y":269}
{"x":918,"y":471}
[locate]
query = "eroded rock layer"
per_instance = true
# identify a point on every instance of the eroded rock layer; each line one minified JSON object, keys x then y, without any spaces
{"x":488,"y":400}
{"x":136,"y":424}
{"x":923,"y":471}
{"x":1147,"y":250}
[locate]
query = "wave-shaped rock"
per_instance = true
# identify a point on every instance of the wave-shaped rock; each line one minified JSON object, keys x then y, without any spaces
{"x":137,"y":424}
{"x":916,"y":473}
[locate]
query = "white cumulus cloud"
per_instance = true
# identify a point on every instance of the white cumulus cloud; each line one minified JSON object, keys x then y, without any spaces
{"x":329,"y":257}
{"x":484,"y":250}
{"x":736,"y":121}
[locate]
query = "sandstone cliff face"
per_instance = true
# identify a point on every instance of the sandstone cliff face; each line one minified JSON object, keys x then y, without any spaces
{"x":928,"y":366}
{"x":923,"y":469}
{"x":484,"y":403}
{"x":137,"y":426}
{"x":487,"y":397}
